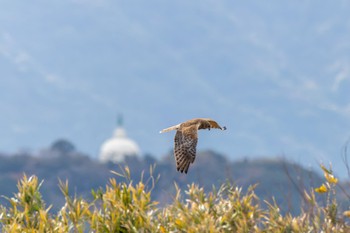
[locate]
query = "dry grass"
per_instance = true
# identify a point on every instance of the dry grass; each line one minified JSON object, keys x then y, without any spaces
{"x":127,"y":207}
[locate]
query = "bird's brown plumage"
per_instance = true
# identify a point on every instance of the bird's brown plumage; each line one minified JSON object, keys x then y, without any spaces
{"x":186,"y":138}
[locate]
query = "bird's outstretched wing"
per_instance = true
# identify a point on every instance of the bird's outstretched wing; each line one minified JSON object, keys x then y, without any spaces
{"x":185,"y":149}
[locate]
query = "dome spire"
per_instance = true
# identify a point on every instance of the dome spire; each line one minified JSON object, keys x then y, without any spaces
{"x":120,"y":120}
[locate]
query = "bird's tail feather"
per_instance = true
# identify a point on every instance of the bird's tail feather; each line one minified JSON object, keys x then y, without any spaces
{"x":175,"y":127}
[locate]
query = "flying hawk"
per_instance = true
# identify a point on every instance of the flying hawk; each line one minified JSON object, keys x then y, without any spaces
{"x":186,"y":140}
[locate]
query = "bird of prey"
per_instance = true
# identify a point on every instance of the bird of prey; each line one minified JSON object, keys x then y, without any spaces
{"x":186,"y":140}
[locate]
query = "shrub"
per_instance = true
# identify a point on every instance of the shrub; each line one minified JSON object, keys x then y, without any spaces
{"x":127,"y":207}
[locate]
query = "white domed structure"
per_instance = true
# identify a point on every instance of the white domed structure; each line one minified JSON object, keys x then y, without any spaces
{"x":117,"y":148}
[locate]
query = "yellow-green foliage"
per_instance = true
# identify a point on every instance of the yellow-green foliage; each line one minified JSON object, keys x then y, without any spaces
{"x":127,"y":207}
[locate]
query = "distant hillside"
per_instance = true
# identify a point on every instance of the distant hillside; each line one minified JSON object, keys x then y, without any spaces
{"x":275,"y":177}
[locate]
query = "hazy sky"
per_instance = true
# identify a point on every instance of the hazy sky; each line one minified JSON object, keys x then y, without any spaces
{"x":276,"y":73}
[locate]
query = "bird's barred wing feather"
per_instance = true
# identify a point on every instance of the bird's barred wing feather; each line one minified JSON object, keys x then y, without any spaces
{"x":185,"y":149}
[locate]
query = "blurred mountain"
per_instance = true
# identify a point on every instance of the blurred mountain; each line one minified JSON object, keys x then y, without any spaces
{"x":276,"y":178}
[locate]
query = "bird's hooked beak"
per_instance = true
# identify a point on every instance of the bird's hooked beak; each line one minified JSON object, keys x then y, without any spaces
{"x":222,"y":128}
